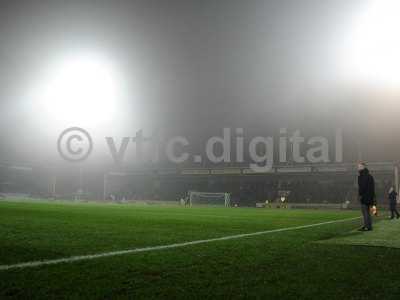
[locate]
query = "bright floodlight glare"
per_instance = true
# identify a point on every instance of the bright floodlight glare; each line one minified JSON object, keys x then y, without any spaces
{"x":81,"y":89}
{"x":372,"y":50}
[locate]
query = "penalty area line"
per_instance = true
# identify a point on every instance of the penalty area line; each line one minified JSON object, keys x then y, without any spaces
{"x":72,"y":259}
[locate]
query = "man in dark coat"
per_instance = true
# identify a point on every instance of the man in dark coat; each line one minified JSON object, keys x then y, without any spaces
{"x":393,"y":203}
{"x":366,"y":192}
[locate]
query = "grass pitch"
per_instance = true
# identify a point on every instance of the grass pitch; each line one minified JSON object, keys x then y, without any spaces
{"x":386,"y":233}
{"x":284,"y":265}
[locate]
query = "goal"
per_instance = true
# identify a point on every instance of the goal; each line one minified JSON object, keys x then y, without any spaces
{"x":202,"y":198}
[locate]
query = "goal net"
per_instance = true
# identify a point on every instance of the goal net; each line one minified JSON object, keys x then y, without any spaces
{"x":201,"y":198}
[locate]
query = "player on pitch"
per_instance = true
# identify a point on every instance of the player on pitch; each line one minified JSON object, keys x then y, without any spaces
{"x":392,"y":195}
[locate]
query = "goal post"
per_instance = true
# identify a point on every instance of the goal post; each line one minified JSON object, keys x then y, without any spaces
{"x":215,"y":199}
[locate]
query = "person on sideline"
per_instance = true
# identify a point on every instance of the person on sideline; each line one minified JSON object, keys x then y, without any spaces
{"x":393,"y":203}
{"x":366,"y":193}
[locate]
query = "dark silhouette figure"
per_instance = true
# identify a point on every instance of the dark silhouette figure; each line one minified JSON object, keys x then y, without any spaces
{"x":366,"y":192}
{"x":393,"y":203}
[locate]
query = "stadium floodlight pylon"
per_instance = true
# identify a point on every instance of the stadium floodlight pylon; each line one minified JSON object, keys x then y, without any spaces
{"x":204,"y":198}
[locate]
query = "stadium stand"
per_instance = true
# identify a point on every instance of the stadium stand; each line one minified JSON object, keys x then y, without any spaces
{"x":308,"y":185}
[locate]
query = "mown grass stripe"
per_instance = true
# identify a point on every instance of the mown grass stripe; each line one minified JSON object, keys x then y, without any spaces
{"x":72,"y":259}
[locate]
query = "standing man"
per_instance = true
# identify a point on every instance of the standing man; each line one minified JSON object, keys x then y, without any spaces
{"x":393,"y":203}
{"x":366,"y":193}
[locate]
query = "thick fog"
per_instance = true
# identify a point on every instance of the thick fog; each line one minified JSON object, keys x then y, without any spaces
{"x":192,"y":68}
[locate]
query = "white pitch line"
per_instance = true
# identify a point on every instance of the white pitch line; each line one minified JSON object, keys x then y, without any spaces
{"x":71,"y":259}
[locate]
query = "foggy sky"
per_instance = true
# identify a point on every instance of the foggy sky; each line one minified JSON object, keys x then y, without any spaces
{"x":194,"y":67}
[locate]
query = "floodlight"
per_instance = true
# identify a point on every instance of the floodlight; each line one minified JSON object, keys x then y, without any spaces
{"x":81,"y":89}
{"x":371,"y":53}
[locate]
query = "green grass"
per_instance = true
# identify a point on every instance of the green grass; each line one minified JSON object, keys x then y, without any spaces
{"x":386,"y":233}
{"x":281,"y":265}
